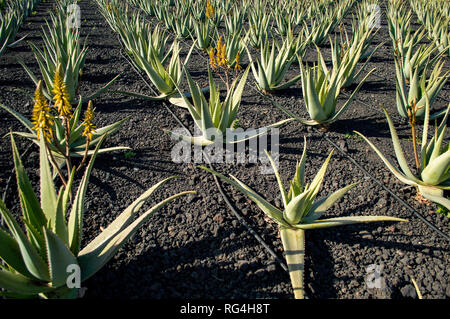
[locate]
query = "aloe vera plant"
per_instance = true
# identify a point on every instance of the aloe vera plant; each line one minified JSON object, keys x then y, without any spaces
{"x":321,"y":26}
{"x":203,"y":33}
{"x":77,"y":144}
{"x":271,"y":69}
{"x":345,"y":58}
{"x":9,"y":25}
{"x":398,"y":19}
{"x":434,"y":15}
{"x":366,"y":22}
{"x":321,"y":88}
{"x":217,"y":119}
{"x":62,"y":46}
{"x":147,"y":6}
{"x":179,"y":21}
{"x":433,"y":166}
{"x":234,"y":21}
{"x":418,"y":59}
{"x":440,"y":33}
{"x":258,"y":31}
{"x":165,"y":79}
{"x":284,"y":21}
{"x":234,"y":46}
{"x":407,"y":44}
{"x":146,"y":46}
{"x":215,"y":11}
{"x":137,"y":34}
{"x":12,"y":14}
{"x":66,"y":136}
{"x":38,"y":260}
{"x":301,"y":212}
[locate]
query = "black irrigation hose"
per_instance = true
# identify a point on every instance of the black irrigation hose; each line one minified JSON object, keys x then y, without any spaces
{"x":219,"y":187}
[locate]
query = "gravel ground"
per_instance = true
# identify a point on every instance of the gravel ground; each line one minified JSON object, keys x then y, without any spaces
{"x":195,"y":247}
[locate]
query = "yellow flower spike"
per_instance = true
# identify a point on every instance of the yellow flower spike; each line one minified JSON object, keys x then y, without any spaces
{"x":41,"y":118}
{"x":209,"y":10}
{"x":237,"y":66}
{"x":224,"y":60}
{"x":221,"y":53}
{"x":61,"y":96}
{"x":212,"y":59}
{"x":89,"y":127}
{"x":219,"y":46}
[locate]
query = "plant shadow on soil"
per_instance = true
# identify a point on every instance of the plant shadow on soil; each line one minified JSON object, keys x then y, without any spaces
{"x":370,"y":127}
{"x":375,"y":86}
{"x":202,"y":273}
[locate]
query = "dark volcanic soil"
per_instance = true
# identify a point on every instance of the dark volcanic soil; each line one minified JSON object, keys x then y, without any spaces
{"x":195,"y":247}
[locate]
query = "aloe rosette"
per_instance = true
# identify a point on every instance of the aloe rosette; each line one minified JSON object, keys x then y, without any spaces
{"x":9,"y":25}
{"x":62,"y":46}
{"x":77,"y":143}
{"x":345,"y":57}
{"x":271,"y":68}
{"x":258,"y":26}
{"x":165,"y":79}
{"x":203,"y":33}
{"x":301,"y":212}
{"x":321,"y":88}
{"x":215,"y":118}
{"x":37,"y":259}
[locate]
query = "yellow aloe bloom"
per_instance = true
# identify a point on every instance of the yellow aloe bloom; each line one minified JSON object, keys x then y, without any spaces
{"x":212,"y":59}
{"x":209,"y":10}
{"x":221,"y":53}
{"x":237,"y":66}
{"x":41,"y":119}
{"x":61,"y":96}
{"x":89,"y":127}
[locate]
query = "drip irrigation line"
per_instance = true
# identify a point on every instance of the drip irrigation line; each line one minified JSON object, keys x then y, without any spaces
{"x":219,"y":187}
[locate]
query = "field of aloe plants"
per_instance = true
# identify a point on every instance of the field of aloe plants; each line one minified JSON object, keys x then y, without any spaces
{"x":346,"y":102}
